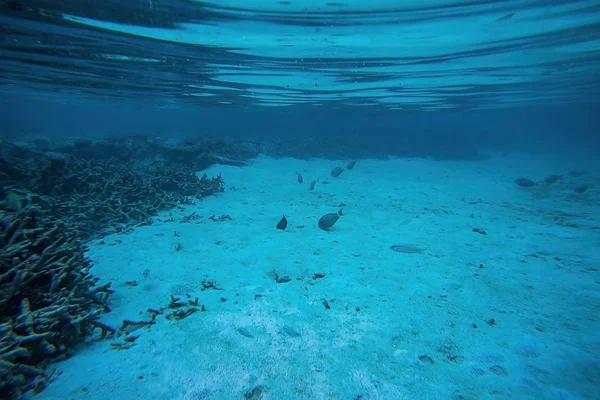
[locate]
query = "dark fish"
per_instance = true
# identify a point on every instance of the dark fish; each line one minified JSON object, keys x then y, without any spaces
{"x":552,"y":178}
{"x":337,"y":171}
{"x":312,"y":185}
{"x":581,"y":189}
{"x":14,"y":202}
{"x":282,"y":224}
{"x":255,"y":394}
{"x":329,"y":220}
{"x":300,"y":178}
{"x":506,"y":17}
{"x":524,"y":182}
{"x":15,"y":5}
{"x":576,"y":173}
{"x":245,"y":332}
{"x":351,"y":165}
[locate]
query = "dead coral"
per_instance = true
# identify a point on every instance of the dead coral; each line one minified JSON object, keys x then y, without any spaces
{"x":48,"y":299}
{"x":97,"y":195}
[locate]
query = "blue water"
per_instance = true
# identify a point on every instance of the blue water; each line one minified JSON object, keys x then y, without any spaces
{"x":402,"y":55}
{"x":443,"y":103}
{"x":497,"y":68}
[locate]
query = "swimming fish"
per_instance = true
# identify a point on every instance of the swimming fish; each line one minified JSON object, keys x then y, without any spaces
{"x":282,"y":224}
{"x":312,"y":185}
{"x":406,"y":248}
{"x":524,"y":182}
{"x":337,"y":171}
{"x":552,"y":178}
{"x":300,"y":178}
{"x":576,"y":173}
{"x":351,"y":165}
{"x":329,"y":220}
{"x":14,"y":202}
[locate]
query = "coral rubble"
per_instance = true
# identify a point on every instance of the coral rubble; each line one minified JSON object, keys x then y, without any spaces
{"x":49,"y":301}
{"x":109,"y":186}
{"x":53,"y":198}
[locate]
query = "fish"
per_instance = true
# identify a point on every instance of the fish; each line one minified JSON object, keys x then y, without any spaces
{"x":406,"y":248}
{"x":337,"y":171}
{"x":300,"y":178}
{"x":254,"y":394}
{"x":351,"y":165}
{"x":552,"y":178}
{"x":505,"y":17}
{"x":282,"y":224}
{"x":14,"y":202}
{"x":329,"y":220}
{"x":581,"y":189}
{"x":245,"y":332}
{"x":290,"y":331}
{"x":312,"y":185}
{"x":524,"y":182}
{"x":576,"y":173}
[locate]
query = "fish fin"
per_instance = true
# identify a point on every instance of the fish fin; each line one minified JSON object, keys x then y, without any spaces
{"x":341,"y":212}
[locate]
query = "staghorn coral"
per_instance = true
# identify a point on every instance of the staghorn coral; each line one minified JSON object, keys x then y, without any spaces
{"x":49,"y":301}
{"x":51,"y":198}
{"x":102,"y":194}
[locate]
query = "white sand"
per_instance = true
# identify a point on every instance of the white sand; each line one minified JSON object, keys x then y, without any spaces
{"x":387,"y":308}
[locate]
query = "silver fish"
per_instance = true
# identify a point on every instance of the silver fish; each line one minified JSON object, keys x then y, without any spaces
{"x":406,"y":248}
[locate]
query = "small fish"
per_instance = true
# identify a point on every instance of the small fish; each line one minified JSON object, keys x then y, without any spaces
{"x":406,"y":249}
{"x":255,"y":394}
{"x":505,"y":17}
{"x":329,"y":220}
{"x":581,"y":189}
{"x":290,"y":331}
{"x":282,"y":224}
{"x":351,"y":165}
{"x":300,"y":178}
{"x":312,"y":185}
{"x":337,"y":171}
{"x":244,"y":332}
{"x":14,"y":202}
{"x":552,"y":178}
{"x":524,"y":182}
{"x":576,"y":173}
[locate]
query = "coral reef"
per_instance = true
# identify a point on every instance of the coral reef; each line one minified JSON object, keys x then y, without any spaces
{"x":98,"y":188}
{"x":55,"y":196}
{"x":49,"y":301}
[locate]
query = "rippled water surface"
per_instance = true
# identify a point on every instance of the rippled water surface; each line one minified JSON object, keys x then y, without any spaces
{"x":424,"y":54}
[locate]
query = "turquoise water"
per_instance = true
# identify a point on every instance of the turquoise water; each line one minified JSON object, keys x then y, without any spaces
{"x":294,"y":199}
{"x":395,"y":55}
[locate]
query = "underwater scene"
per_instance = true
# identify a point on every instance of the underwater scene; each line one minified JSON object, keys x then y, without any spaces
{"x":299,"y":200}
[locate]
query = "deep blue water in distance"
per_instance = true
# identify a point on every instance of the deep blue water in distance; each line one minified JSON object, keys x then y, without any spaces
{"x":569,"y":128}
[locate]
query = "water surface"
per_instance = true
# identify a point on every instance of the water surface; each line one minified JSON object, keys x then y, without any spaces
{"x":424,"y":55}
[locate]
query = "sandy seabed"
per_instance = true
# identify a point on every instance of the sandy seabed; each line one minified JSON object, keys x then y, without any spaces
{"x":509,"y":311}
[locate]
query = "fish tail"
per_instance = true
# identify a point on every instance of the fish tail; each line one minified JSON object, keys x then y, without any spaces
{"x":341,"y":212}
